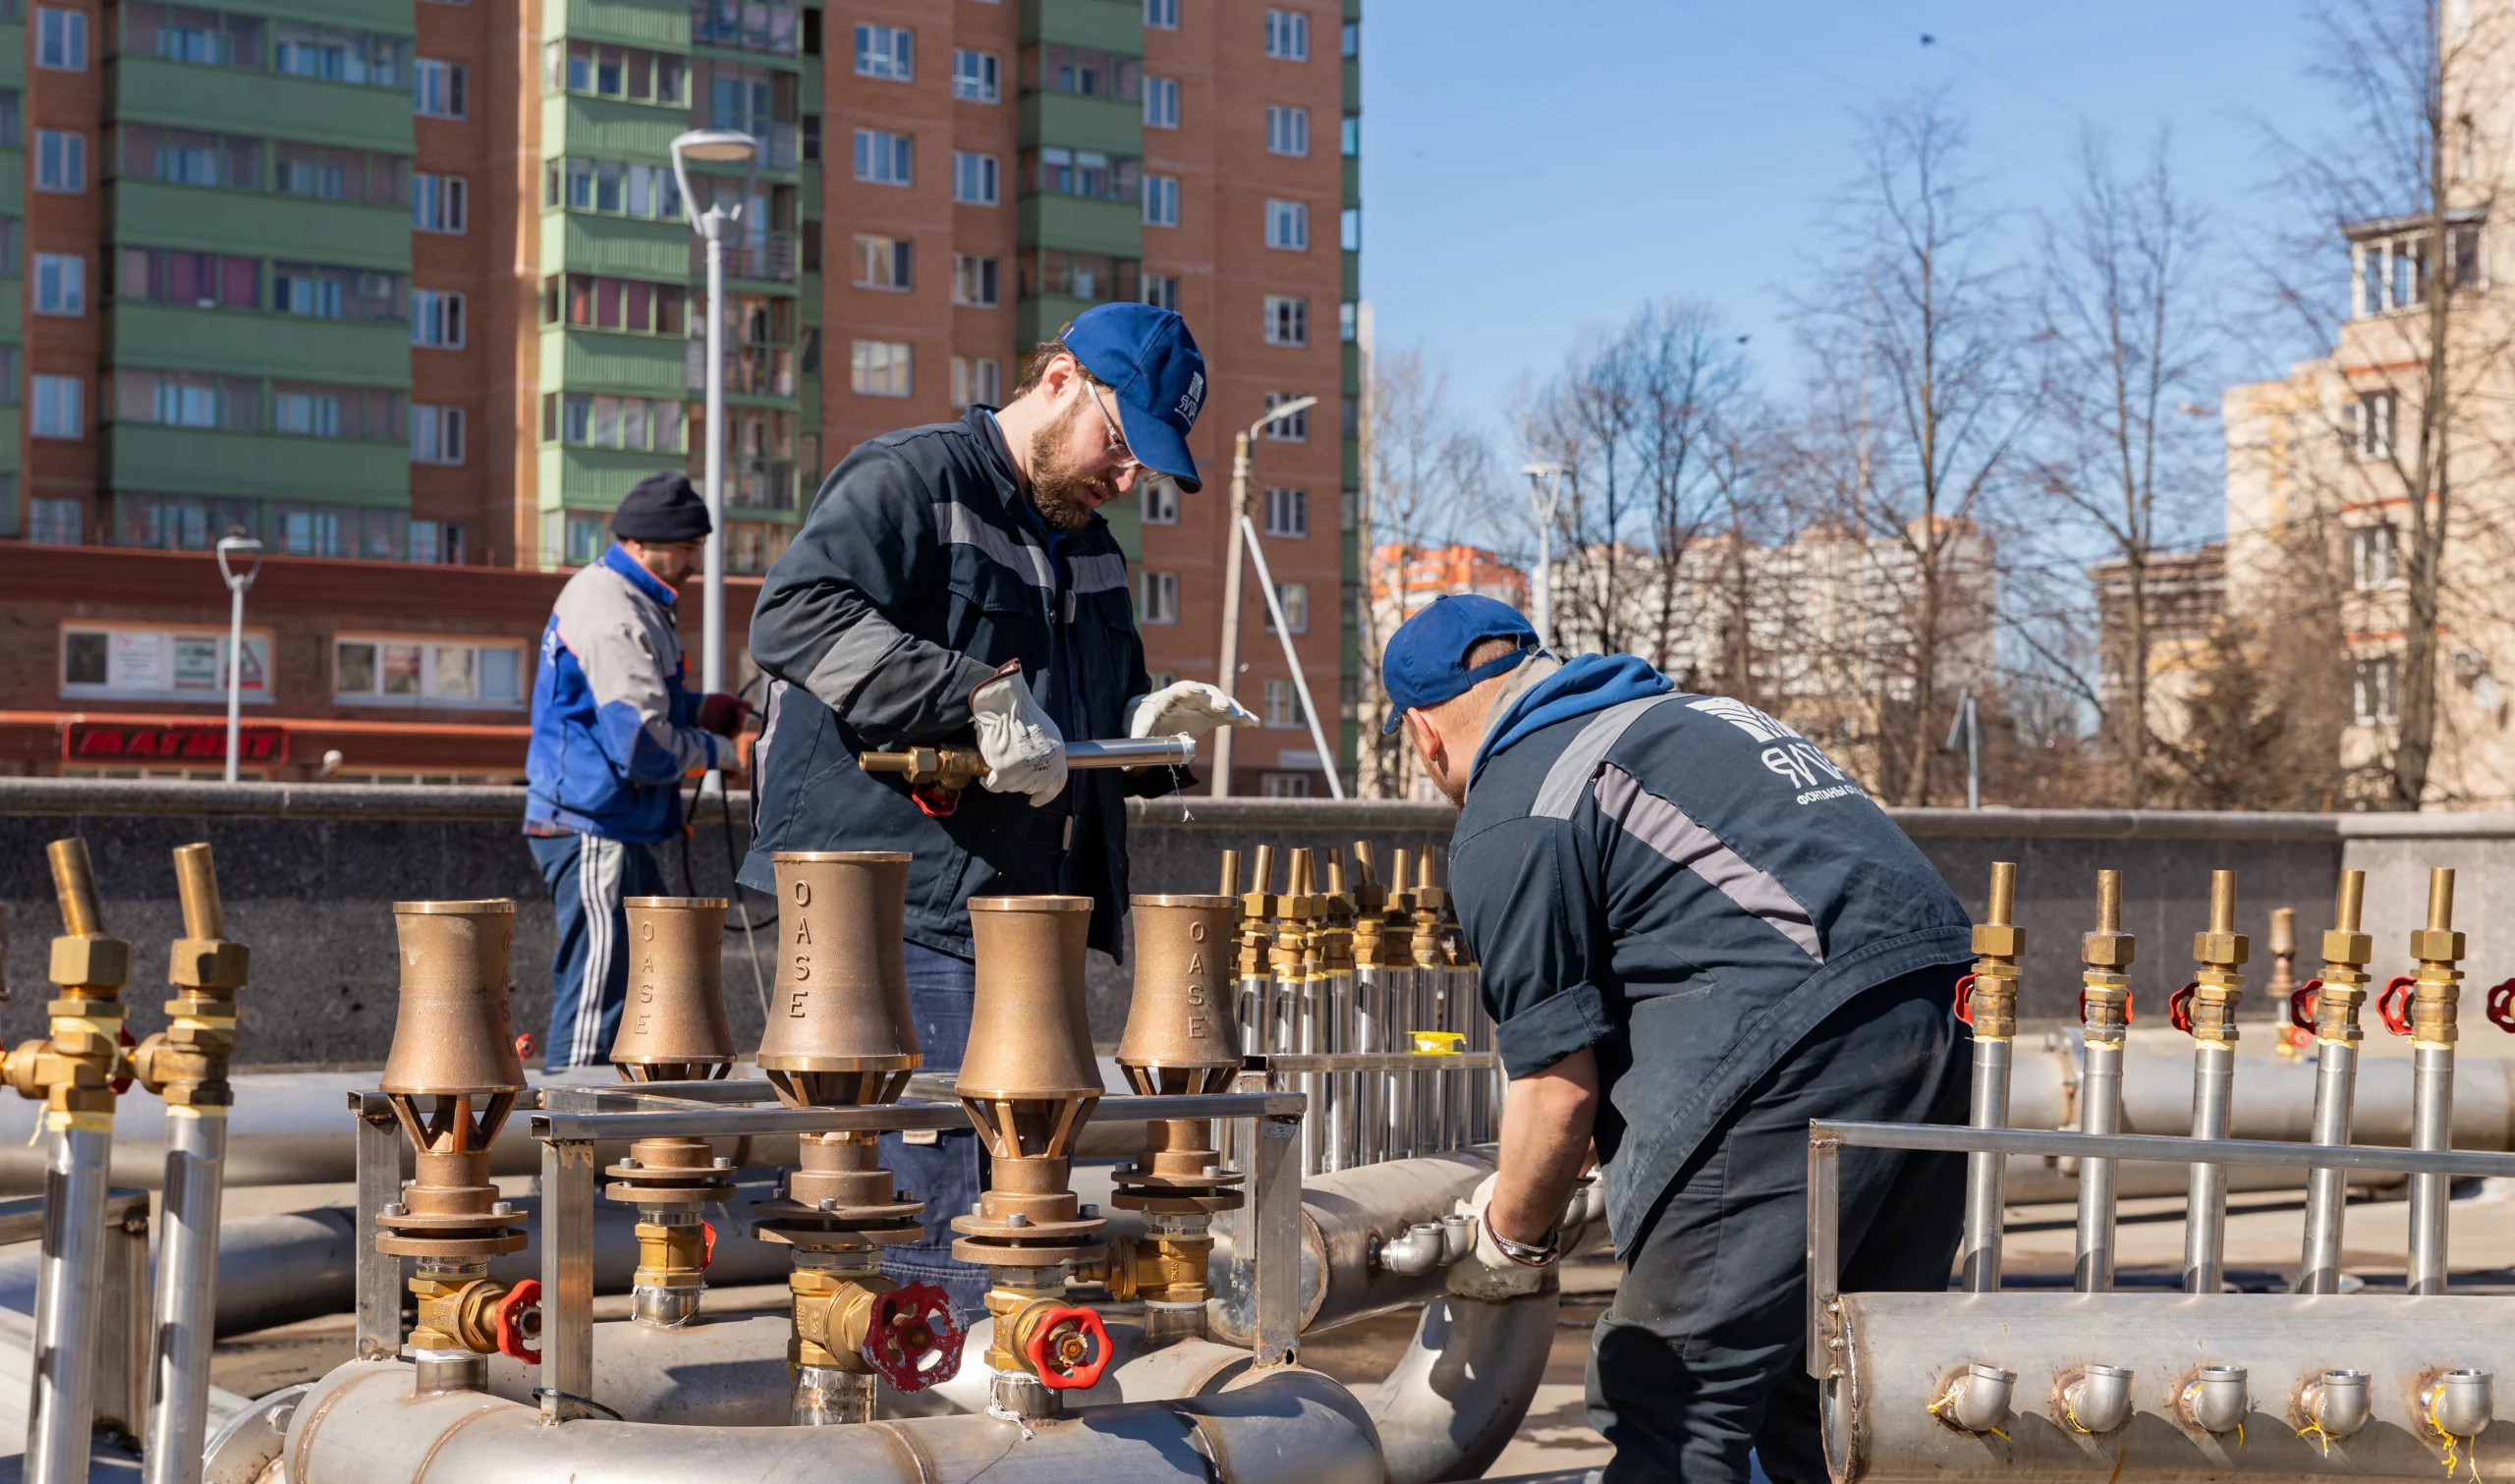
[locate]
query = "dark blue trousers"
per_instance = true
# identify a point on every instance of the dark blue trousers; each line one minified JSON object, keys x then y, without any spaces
{"x":589,"y":876}
{"x":1701,"y":1356}
{"x":947,"y":1174}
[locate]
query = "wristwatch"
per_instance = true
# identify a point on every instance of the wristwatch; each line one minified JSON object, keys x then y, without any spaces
{"x":1541,"y":1256}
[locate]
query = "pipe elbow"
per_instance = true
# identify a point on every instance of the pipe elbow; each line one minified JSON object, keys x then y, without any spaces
{"x":2458,"y":1402}
{"x":1976,"y":1399}
{"x":2215,"y":1399}
{"x":2097,"y":1399}
{"x":2337,"y":1401}
{"x":1416,"y":1251}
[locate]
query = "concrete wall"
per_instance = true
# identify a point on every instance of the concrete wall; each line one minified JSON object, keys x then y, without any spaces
{"x":309,"y":872}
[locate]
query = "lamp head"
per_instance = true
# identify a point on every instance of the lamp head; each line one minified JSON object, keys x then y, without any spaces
{"x":233,"y":547}
{"x":711,"y":147}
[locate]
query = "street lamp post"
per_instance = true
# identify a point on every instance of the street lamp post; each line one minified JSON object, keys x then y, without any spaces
{"x":237,"y":545}
{"x":714,"y":147}
{"x":1229,"y":679}
{"x":1545,"y":492}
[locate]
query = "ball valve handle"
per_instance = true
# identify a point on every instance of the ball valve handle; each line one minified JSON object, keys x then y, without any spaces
{"x":707,"y":1258}
{"x":1060,"y":1345}
{"x":915,"y":1343}
{"x":2501,"y":1006}
{"x":519,"y":1322}
{"x":2394,"y":1005}
{"x":2178,"y":1007}
{"x":2301,"y":1003}
{"x":1965,"y":999}
{"x":122,"y":1084}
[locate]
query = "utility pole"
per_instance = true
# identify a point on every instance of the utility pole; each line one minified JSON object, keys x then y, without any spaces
{"x":1545,"y":494}
{"x":1237,"y":516}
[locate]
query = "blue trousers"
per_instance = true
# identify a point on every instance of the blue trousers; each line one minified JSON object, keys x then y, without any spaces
{"x":589,"y":876}
{"x":1701,"y":1357}
{"x":947,"y":1174}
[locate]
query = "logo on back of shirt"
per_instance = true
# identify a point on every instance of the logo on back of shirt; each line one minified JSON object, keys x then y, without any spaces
{"x":1791,"y":755}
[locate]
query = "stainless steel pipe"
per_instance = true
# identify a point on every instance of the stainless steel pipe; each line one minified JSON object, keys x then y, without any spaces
{"x":2213,"y":994}
{"x":2436,"y":991}
{"x":1991,"y":1003}
{"x":2105,"y":1010}
{"x":1449,"y":1407}
{"x":60,"y":1424}
{"x":2338,"y":1034}
{"x":186,"y":1294}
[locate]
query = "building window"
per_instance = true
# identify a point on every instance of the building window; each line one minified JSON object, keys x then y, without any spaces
{"x":2375,"y":557}
{"x":2378,"y":690}
{"x":1162,"y":15}
{"x":436,"y":318}
{"x":1157,"y":598}
{"x":1283,"y":705}
{"x":197,"y":280}
{"x":1161,"y":290}
{"x":975,"y":281}
{"x":644,"y":191}
{"x":437,"y":203}
{"x":421,"y":672}
{"x":879,"y":368}
{"x":1161,"y":102}
{"x":312,"y":410}
{"x":1349,"y":229}
{"x":629,"y":73}
{"x":187,"y":399}
{"x":633,"y":423}
{"x":1352,"y":139}
{"x":977,"y":76}
{"x":974,"y":178}
{"x":436,"y":434}
{"x":1287,"y":35}
{"x":811,"y":139}
{"x":632,"y":304}
{"x":1161,"y":200}
{"x":1283,"y":786}
{"x":2372,"y":416}
{"x":1348,"y":321}
{"x":1287,"y":130}
{"x":335,"y":54}
{"x":438,"y":88}
{"x":1084,"y":72}
{"x":1288,"y":226}
{"x":1059,"y":171}
{"x":1292,"y":428}
{"x":1094,"y":276}
{"x":61,"y":161}
{"x":61,"y":39}
{"x":55,"y":522}
{"x":1353,"y":39}
{"x":979,"y":381}
{"x":882,"y":158}
{"x":160,"y":664}
{"x":884,"y":51}
{"x":61,"y":284}
{"x":883,"y":262}
{"x":1160,"y":501}
{"x":1295,"y":598}
{"x":60,"y":407}
{"x":1288,"y":514}
{"x":764,"y":26}
{"x":13,"y":118}
{"x":1287,"y":320}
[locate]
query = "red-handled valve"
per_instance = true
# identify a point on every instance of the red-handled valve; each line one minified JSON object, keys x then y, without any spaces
{"x":915,"y":1343}
{"x":523,"y":1046}
{"x":2302,"y":1001}
{"x":2501,"y":1009}
{"x":707,"y":1258}
{"x":1965,"y":999}
{"x":2178,"y":1007}
{"x":2394,"y":1003}
{"x":2125,"y":1006}
{"x":519,"y":1322}
{"x":122,"y":1084}
{"x":1068,"y":1350}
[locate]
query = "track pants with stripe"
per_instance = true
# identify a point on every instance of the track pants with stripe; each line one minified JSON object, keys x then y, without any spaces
{"x":588,"y":877}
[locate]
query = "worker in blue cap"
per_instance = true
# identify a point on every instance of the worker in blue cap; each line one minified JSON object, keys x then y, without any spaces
{"x":1698,"y":932}
{"x":956,"y":583}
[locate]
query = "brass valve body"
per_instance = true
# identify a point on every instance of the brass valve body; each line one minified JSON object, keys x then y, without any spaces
{"x":1018,"y":1309}
{"x":2346,"y":951}
{"x":2220,"y":952}
{"x":671,"y":1255}
{"x":1159,"y":1267}
{"x":73,"y":1071}
{"x":2436,"y":992}
{"x":833,"y":1317}
{"x":186,"y":1064}
{"x":2104,"y":959}
{"x":457,"y":1312}
{"x":1997,"y":946}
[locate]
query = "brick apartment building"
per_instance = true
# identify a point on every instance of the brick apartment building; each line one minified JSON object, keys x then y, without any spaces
{"x":402,"y":287}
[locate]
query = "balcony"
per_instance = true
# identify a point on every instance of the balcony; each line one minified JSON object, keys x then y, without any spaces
{"x":631,"y":24}
{"x":761,"y":25}
{"x":771,"y":262}
{"x":1110,"y":25}
{"x":1107,"y":124}
{"x":256,"y":466}
{"x":295,"y":228}
{"x":749,"y":370}
{"x":1080,"y":224}
{"x":760,"y":485}
{"x":242,"y":100}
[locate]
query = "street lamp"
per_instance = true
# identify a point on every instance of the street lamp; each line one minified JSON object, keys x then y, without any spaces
{"x":1243,"y":535}
{"x":1545,"y":492}
{"x":236,"y":544}
{"x":714,"y":147}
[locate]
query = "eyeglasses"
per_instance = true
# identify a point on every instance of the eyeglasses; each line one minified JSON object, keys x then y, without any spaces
{"x":1126,"y":461}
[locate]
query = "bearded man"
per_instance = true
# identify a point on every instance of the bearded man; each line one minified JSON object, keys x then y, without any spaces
{"x":958,"y":578}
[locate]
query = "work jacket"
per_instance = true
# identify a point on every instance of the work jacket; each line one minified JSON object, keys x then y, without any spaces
{"x":920,"y":571}
{"x":1683,"y":884}
{"x":614,"y":725}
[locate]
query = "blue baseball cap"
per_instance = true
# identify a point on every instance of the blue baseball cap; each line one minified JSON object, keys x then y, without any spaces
{"x":1147,"y":359}
{"x":1425,"y":662}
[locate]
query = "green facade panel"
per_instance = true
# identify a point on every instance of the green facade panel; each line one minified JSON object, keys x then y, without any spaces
{"x":1080,"y":123}
{"x":1353,"y":191}
{"x":1352,"y":84}
{"x":609,"y":360}
{"x":1077,"y":224}
{"x":239,"y":342}
{"x":12,"y":53}
{"x":1111,"y":25}
{"x":604,"y":129}
{"x":1038,"y":319}
{"x":390,"y":16}
{"x":11,"y":419}
{"x":593,"y":478}
{"x":1352,"y":377}
{"x":256,"y":466}
{"x":13,"y":309}
{"x":658,"y":24}
{"x":291,"y":228}
{"x":234,"y":100}
{"x":13,"y":178}
{"x":1351,"y":281}
{"x":583,"y":243}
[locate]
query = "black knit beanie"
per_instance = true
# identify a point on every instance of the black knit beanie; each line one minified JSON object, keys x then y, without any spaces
{"x":662,"y":509}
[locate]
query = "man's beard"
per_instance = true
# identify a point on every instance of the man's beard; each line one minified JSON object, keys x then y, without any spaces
{"x":1056,"y":490}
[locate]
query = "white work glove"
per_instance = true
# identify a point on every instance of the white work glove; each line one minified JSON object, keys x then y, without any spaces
{"x":1190,"y":706}
{"x":1489,"y":1273}
{"x":1025,"y":752}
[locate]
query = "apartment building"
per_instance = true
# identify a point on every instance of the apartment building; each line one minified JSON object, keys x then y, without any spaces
{"x":410,"y":281}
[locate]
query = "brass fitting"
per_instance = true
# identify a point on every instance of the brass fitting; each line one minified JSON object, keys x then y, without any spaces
{"x":1159,"y":1267}
{"x":834,"y":1316}
{"x":671,"y":1255}
{"x":186,"y":1064}
{"x":1018,"y":1307}
{"x":2220,"y":952}
{"x":1335,"y":932}
{"x":458,"y":1309}
{"x":1997,"y":946}
{"x":2104,"y":958}
{"x":2437,"y":990}
{"x":2346,"y":951}
{"x":73,"y":1072}
{"x":1427,"y":903}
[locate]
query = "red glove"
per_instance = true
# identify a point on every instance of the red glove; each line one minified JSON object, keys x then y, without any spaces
{"x":723,"y":714}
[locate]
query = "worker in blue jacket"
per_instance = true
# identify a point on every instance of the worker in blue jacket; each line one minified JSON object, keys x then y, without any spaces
{"x":957,"y":583}
{"x":615,"y":730}
{"x":1697,"y":933}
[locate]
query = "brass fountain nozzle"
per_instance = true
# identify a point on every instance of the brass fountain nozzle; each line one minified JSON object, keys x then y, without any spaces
{"x":2346,"y":953}
{"x":2436,"y":987}
{"x":186,"y":1064}
{"x":73,"y":1071}
{"x":1429,"y":906}
{"x":1999,"y":943}
{"x":2104,"y":958}
{"x":2206,"y":1007}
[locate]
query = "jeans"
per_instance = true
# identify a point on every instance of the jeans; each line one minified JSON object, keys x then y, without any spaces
{"x":589,"y":876}
{"x":948,"y":1173}
{"x":1702,"y":1355}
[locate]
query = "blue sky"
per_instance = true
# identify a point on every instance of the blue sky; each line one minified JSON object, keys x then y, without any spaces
{"x":1532,"y":169}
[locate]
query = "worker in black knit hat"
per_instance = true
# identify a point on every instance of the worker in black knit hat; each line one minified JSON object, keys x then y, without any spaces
{"x":615,"y":729}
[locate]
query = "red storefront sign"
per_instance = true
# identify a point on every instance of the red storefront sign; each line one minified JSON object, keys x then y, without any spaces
{"x":128,"y":742}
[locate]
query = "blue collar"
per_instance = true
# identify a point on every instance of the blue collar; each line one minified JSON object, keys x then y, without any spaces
{"x":1590,"y":682}
{"x":619,"y":560}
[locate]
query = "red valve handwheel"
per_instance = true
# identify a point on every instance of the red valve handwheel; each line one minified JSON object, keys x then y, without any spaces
{"x":523,"y":1046}
{"x":2394,"y":1005}
{"x":1965,"y":999}
{"x":2302,"y":1003}
{"x":2501,"y":1006}
{"x":122,"y":1084}
{"x":511,"y":1341}
{"x":707,"y":1258}
{"x":914,"y":1340}
{"x":1058,"y":1331}
{"x":2178,"y":1007}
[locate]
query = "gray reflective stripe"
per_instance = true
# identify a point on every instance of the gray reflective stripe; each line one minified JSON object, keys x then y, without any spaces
{"x":1102,"y":574}
{"x":853,"y":660}
{"x":962,"y":526}
{"x":1674,"y":834}
{"x":1569,"y":778}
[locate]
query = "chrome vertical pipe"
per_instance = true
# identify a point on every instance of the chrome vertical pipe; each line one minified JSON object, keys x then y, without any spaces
{"x":1255,"y":977}
{"x":2435,"y":992}
{"x":1997,"y":945}
{"x":59,"y":1425}
{"x":2220,"y":950}
{"x":2342,"y":991}
{"x":2105,"y":998}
